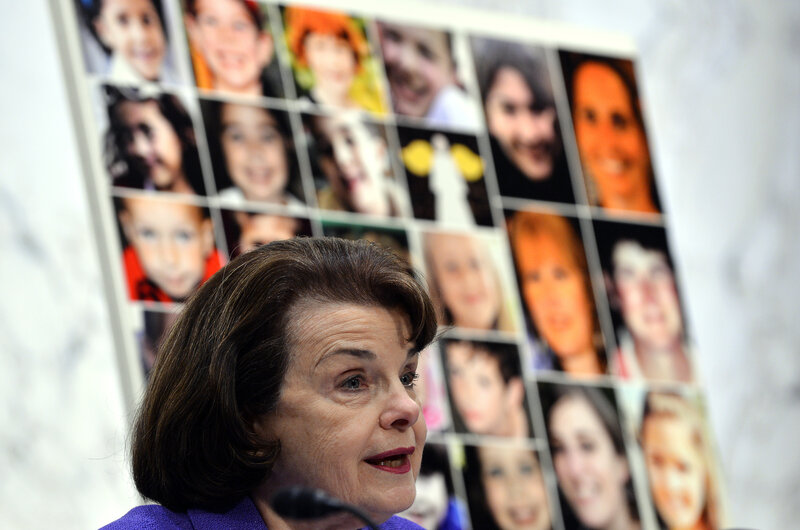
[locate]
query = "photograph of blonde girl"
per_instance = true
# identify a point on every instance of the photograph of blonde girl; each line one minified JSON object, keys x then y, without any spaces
{"x":557,"y":294}
{"x":506,"y":488}
{"x":331,"y":59}
{"x":677,"y":455}
{"x":589,"y":457}
{"x":465,"y":282}
{"x":252,"y":153}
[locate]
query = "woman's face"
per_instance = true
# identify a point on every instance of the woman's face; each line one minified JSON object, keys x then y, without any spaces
{"x":150,"y":139}
{"x":348,"y":419}
{"x":590,"y":472}
{"x":132,"y":29}
{"x":255,"y":152}
{"x":483,"y":399}
{"x":555,"y":292}
{"x":676,"y":469}
{"x":333,"y":63}
{"x":466,"y":280}
{"x":514,"y":488}
{"x":611,"y":142}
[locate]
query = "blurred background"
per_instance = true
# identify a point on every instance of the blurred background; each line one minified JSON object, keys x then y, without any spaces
{"x":721,"y":85}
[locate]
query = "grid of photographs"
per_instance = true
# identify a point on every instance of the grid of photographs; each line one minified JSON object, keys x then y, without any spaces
{"x":516,"y":176}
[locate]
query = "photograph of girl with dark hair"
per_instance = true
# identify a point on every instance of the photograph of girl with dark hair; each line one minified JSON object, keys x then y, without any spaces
{"x":588,"y":450}
{"x":246,"y":231}
{"x":252,"y":153}
{"x":556,"y":289}
{"x":168,"y":248}
{"x":232,"y":48}
{"x":610,"y":133}
{"x":331,"y":59}
{"x":436,"y":506}
{"x":486,"y":388}
{"x":352,"y":165}
{"x":126,"y":40}
{"x":466,"y":281}
{"x":645,"y":305}
{"x":150,"y":142}
{"x":680,"y":468}
{"x":520,"y":109}
{"x":446,"y":177}
{"x":506,"y":488}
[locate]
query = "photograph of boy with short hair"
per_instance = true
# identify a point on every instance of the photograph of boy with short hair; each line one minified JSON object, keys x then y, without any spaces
{"x":486,"y":388}
{"x":168,"y":245}
{"x":646,"y":307}
{"x":521,"y":118}
{"x":331,"y":60}
{"x":150,"y":142}
{"x":232,"y":48}
{"x":423,"y":75}
{"x":126,"y":40}
{"x":352,"y":165}
{"x":246,"y":231}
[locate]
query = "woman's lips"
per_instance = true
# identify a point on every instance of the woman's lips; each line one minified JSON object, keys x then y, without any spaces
{"x":396,"y":461}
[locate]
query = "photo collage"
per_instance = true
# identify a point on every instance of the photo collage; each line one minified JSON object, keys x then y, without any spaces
{"x":516,"y":175}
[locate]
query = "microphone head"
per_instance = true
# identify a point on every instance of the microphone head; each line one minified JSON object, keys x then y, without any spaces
{"x":297,"y":502}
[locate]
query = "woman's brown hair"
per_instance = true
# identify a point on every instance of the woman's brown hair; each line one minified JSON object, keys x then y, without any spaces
{"x":223,"y":363}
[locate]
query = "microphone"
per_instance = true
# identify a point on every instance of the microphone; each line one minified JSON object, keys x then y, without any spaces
{"x":298,"y":502}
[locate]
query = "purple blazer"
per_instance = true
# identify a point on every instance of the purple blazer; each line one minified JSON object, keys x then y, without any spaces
{"x":243,"y":516}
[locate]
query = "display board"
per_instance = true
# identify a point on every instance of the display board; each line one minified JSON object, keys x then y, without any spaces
{"x":506,"y":159}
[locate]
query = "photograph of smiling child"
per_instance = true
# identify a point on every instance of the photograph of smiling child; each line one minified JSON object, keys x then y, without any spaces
{"x":331,"y":60}
{"x":553,"y":276}
{"x":168,"y":248}
{"x":643,"y":295}
{"x":436,"y":506}
{"x":610,"y":133}
{"x":423,"y":76}
{"x":506,"y":488}
{"x":252,"y":154}
{"x":486,"y":388}
{"x":231,"y":47}
{"x":150,"y":142}
{"x":520,"y":109}
{"x":588,"y":450}
{"x":126,"y":40}
{"x":350,"y":160}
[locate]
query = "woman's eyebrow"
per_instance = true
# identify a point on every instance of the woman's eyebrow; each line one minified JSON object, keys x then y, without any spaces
{"x":352,"y":352}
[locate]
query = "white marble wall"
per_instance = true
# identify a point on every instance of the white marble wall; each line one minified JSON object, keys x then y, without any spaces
{"x":722,"y":85}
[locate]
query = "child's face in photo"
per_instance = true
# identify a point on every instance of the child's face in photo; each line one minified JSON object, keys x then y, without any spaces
{"x":418,"y":64}
{"x":590,"y":472}
{"x":151,"y":140}
{"x":610,"y":139}
{"x":234,"y":47}
{"x":676,"y":470}
{"x":171,"y":240}
{"x":360,"y":164}
{"x":648,"y":296}
{"x":514,"y":487}
{"x":257,"y":230}
{"x":132,"y":30}
{"x":483,"y":399}
{"x":466,"y":280}
{"x":255,"y":152}
{"x":525,"y":132}
{"x":554,"y":289}
{"x":430,"y":505}
{"x":333,"y":63}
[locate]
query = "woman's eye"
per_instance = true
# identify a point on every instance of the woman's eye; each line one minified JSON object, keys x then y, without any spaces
{"x":353,"y":383}
{"x":409,"y":379}
{"x":619,"y":121}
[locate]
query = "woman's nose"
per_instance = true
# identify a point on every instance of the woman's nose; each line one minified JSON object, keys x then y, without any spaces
{"x":401,"y":409}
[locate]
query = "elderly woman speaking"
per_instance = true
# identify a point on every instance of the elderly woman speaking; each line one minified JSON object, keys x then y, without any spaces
{"x":293,"y":366}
